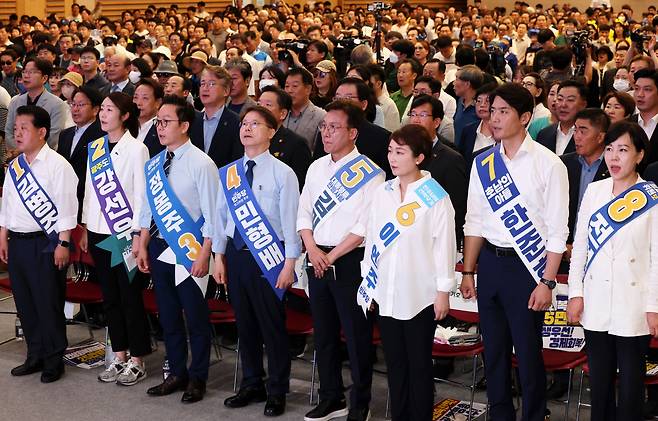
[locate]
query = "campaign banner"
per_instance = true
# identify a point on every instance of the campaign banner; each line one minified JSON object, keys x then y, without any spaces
{"x":557,"y":334}
{"x":87,"y":354}
{"x":454,"y":409}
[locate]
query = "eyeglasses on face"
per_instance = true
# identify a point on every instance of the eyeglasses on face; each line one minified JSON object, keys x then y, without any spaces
{"x":251,"y":125}
{"x":163,"y":123}
{"x":330,"y":128}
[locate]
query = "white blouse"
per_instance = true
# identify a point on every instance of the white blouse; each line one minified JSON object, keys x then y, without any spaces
{"x":420,"y":262}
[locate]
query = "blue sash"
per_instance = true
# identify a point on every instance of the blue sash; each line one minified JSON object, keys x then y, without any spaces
{"x":179,"y":230}
{"x":614,"y":215}
{"x":114,"y":205}
{"x":509,"y":207}
{"x":252,"y":224}
{"x":420,"y":200}
{"x":35,"y":199}
{"x":347,"y":181}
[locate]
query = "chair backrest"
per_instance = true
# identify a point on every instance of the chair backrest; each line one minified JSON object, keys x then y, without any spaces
{"x":465,"y":316}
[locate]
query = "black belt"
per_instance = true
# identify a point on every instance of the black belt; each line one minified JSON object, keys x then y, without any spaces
{"x":245,"y":248}
{"x":326,"y":249}
{"x":500,"y":251}
{"x":35,"y":234}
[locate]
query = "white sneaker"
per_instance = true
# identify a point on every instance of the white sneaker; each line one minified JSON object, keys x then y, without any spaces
{"x":132,"y":374}
{"x":110,"y":374}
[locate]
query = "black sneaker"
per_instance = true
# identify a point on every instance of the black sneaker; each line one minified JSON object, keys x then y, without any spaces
{"x":327,"y":410}
{"x":360,"y":414}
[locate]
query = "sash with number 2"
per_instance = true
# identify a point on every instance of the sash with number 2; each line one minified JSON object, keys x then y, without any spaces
{"x":511,"y":210}
{"x":347,"y":181}
{"x":614,"y":215}
{"x":420,"y":200}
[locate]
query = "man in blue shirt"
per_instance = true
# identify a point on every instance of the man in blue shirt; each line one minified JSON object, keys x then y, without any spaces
{"x":260,"y":313}
{"x":468,"y":80}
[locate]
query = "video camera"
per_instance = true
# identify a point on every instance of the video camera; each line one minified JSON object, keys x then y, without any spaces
{"x":298,"y":46}
{"x":639,"y":37}
{"x":579,"y":42}
{"x":378,"y":6}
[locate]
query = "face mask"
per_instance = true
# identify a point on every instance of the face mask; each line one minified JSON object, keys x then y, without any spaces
{"x":21,"y":88}
{"x":67,"y":91}
{"x":134,"y":76}
{"x":621,"y":85}
{"x":393,"y":58}
{"x":263,"y":83}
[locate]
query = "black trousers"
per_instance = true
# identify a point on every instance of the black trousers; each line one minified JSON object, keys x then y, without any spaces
{"x":39,"y":290}
{"x":504,"y":288}
{"x":122,"y":302}
{"x":606,"y":353}
{"x":261,"y":319}
{"x":408,"y":354}
{"x":173,"y":301}
{"x":333,"y":305}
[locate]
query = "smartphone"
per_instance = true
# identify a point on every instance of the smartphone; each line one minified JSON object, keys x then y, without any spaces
{"x":329,"y":274}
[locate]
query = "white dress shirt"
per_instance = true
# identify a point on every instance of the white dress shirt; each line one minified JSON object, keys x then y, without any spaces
{"x":144,"y":129}
{"x":422,"y":259}
{"x":621,"y":285}
{"x":128,"y":158}
{"x":542,"y":180}
{"x":482,"y":140}
{"x":562,"y":139}
{"x":648,"y":126}
{"x":57,"y":178}
{"x":350,"y":217}
{"x":449,"y":104}
{"x":391,"y":113}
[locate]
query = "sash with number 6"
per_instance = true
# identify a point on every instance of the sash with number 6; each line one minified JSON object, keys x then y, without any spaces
{"x":420,"y":201}
{"x":511,"y":210}
{"x":252,"y":224}
{"x":617,"y":213}
{"x":35,"y":199}
{"x":348,"y":180}
{"x":181,"y":233}
{"x":114,"y":206}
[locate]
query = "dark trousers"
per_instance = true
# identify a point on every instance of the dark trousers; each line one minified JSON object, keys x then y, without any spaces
{"x":408,"y":354}
{"x":122,"y":302}
{"x":504,"y":288}
{"x":172,"y":302}
{"x":39,"y":290}
{"x":606,"y":353}
{"x":333,"y":304}
{"x":261,"y":319}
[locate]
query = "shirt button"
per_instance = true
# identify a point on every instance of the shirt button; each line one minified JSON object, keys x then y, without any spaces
{"x":633,"y":260}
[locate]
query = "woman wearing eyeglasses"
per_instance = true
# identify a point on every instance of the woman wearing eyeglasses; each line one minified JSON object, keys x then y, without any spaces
{"x":113,"y":198}
{"x":326,"y":81}
{"x":421,"y":51}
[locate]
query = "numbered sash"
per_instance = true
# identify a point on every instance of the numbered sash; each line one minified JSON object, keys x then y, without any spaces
{"x":252,"y":224}
{"x":347,"y":181}
{"x":181,"y":233}
{"x":114,"y":205}
{"x":614,"y":215}
{"x":420,"y":201}
{"x":511,"y":210}
{"x":35,"y":199}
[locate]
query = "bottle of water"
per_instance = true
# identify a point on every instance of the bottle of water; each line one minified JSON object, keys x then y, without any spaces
{"x":19,"y":330}
{"x":165,"y":368}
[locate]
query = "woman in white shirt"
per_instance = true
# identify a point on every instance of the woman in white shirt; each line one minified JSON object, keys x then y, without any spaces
{"x":613,"y":293}
{"x":122,"y":297}
{"x":414,"y":273}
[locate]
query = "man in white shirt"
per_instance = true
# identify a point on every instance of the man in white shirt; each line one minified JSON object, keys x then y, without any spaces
{"x":390,"y":110}
{"x":513,"y":294}
{"x":334,"y":250}
{"x":148,"y":97}
{"x":558,"y":137}
{"x":646,"y":99}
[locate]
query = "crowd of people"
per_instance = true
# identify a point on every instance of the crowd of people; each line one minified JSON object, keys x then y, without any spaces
{"x":381,"y":146}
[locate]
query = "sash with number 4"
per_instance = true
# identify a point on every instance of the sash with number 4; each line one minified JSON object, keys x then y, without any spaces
{"x":114,"y":206}
{"x":511,"y":210}
{"x":420,"y":201}
{"x":181,"y":233}
{"x":252,"y":224}
{"x":347,"y":181}
{"x":35,"y":199}
{"x":614,"y":215}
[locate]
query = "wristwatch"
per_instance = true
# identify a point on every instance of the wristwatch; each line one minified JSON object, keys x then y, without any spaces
{"x":135,"y":234}
{"x":64,"y":243}
{"x":550,"y":284}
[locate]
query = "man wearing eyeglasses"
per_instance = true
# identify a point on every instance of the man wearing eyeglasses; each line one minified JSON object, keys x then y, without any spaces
{"x":89,"y":58}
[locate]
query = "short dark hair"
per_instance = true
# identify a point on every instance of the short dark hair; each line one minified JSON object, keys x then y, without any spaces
{"x":545,"y":35}
{"x":443,"y":41}
{"x":44,"y":66}
{"x":515,"y":96}
{"x":571,"y":83}
{"x":40,"y":117}
{"x":646,"y":74}
{"x":11,"y":53}
{"x":415,"y":65}
{"x":377,"y":71}
{"x":126,"y":105}
{"x":266,"y":114}
{"x":561,"y":57}
{"x":284,"y":100}
{"x":404,"y":46}
{"x":363,"y":71}
{"x":417,"y":138}
{"x":93,"y":50}
{"x":275,"y":71}
{"x":321,"y":46}
{"x":464,"y":55}
{"x":435,"y":85}
{"x":635,"y":132}
{"x":307,"y":77}
{"x":184,"y":110}
{"x":437,"y":106}
{"x":46,"y":46}
{"x":156,"y":87}
{"x":596,"y":117}
{"x":354,"y":114}
{"x":92,"y":94}
{"x":624,"y":99}
{"x":241,"y":65}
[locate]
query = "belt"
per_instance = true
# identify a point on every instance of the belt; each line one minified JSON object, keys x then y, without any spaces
{"x":232,"y":243}
{"x":26,"y":235}
{"x":500,"y":251}
{"x":326,"y":249}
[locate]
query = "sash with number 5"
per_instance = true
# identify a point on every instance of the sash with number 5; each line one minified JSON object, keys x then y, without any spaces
{"x":511,"y":210}
{"x":420,"y":201}
{"x":347,"y":181}
{"x":114,"y":206}
{"x":35,"y":199}
{"x":614,"y":215}
{"x":252,"y":224}
{"x":181,"y":233}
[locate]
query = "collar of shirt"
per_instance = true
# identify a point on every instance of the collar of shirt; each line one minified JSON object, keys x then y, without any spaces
{"x":395,"y":183}
{"x":569,"y":132}
{"x":653,"y":120}
{"x":121,"y":84}
{"x":30,"y":102}
{"x":526,"y":147}
{"x":180,"y":151}
{"x":42,"y":155}
{"x":478,"y":131}
{"x":595,"y":164}
{"x":83,"y":128}
{"x":435,"y":141}
{"x":338,"y":164}
{"x":145,"y":128}
{"x":217,"y":115}
{"x":301,"y":113}
{"x":259,"y":159}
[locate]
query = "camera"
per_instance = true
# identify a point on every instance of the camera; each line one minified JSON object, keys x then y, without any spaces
{"x":579,"y":42}
{"x":496,"y":58}
{"x":639,"y":36}
{"x":298,"y":46}
{"x":377,"y":6}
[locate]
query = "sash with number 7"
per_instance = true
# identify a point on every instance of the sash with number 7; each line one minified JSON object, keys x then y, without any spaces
{"x":344,"y":184}
{"x":420,"y":200}
{"x":511,"y":210}
{"x":614,"y":215}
